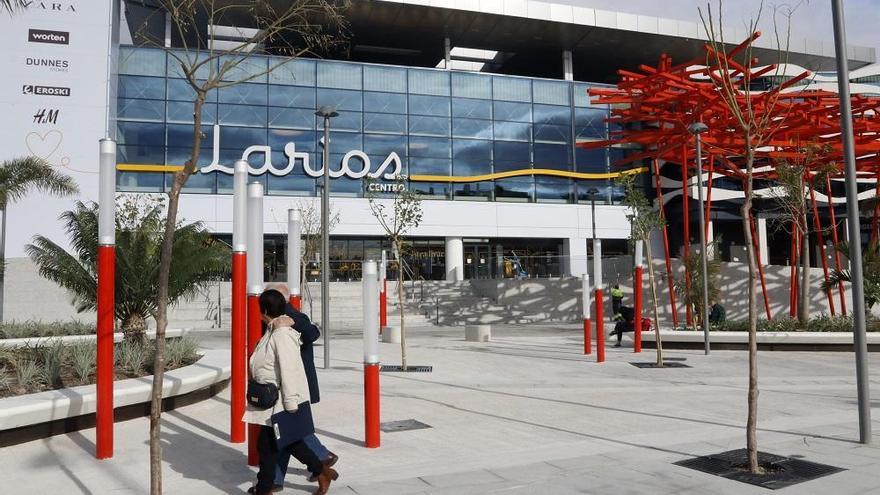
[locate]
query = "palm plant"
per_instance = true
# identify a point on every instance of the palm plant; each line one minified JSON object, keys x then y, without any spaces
{"x":196,"y":260}
{"x":13,"y":5}
{"x":692,"y":293}
{"x":17,"y":177}
{"x":870,"y":273}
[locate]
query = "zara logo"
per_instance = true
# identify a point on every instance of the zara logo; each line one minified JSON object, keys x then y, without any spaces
{"x":347,"y":168}
{"x":51,"y":6}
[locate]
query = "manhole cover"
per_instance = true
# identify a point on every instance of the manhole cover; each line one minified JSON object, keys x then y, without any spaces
{"x":666,"y":364}
{"x":403,"y":425}
{"x":409,"y":369}
{"x":782,"y":471}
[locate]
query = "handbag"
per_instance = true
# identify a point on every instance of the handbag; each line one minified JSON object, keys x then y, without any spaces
{"x":290,"y":427}
{"x":262,"y":395}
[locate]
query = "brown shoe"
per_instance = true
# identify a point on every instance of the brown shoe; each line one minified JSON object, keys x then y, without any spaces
{"x":330,"y":461}
{"x":327,"y":475}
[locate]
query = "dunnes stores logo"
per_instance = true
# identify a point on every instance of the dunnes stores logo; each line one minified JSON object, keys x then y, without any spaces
{"x":43,"y":36}
{"x":30,"y":89}
{"x":355,"y":164}
{"x":66,"y":7}
{"x":53,"y":64}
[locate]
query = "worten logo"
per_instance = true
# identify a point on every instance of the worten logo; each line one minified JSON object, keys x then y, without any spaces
{"x":53,"y":64}
{"x":50,"y":6}
{"x":44,"y":36}
{"x":30,"y":89}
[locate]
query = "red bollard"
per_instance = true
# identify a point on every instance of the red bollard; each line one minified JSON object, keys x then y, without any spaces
{"x":296,"y":302}
{"x":239,"y":352}
{"x":637,"y":290}
{"x":371,"y":406}
{"x":383,"y":306}
{"x":105,"y":364}
{"x":588,"y":344}
{"x":600,"y":328}
{"x":585,"y":310}
{"x":255,"y":331}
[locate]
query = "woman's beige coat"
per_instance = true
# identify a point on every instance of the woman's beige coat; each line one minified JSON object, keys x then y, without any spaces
{"x":277,"y":360}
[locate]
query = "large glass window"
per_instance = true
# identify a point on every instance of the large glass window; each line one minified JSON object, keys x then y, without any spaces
{"x":140,"y":61}
{"x":471,"y":85}
{"x":292,"y":96}
{"x":429,"y":82}
{"x":341,"y":100}
{"x":384,"y":102}
{"x":141,"y":87}
{"x":391,"y":79}
{"x":518,"y":189}
{"x":339,"y":75}
{"x":385,"y":122}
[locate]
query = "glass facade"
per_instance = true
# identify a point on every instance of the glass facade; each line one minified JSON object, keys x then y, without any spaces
{"x":440,"y":123}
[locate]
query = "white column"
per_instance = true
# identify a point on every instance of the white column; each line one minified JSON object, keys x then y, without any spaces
{"x":574,"y":251}
{"x":710,"y":237}
{"x":454,"y":259}
{"x":447,"y":55}
{"x":762,"y":239}
{"x":567,"y":66}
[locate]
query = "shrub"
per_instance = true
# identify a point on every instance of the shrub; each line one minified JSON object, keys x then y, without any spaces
{"x":181,"y":352}
{"x":131,"y":356}
{"x":5,"y":378}
{"x":27,"y":372}
{"x":26,"y":329}
{"x":53,"y":358}
{"x":83,"y":357}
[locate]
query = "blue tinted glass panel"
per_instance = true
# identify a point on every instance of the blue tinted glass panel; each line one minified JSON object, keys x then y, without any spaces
{"x":591,"y":160}
{"x":241,"y":115}
{"x":197,"y":183}
{"x":376,"y":161}
{"x":590,"y":123}
{"x":179,"y":156}
{"x":240,"y":138}
{"x":512,"y":89}
{"x":431,"y":190}
{"x":550,"y":133}
{"x":141,"y":134}
{"x":581,"y":95}
{"x":141,"y":87}
{"x":384,"y":79}
{"x":348,"y":121}
{"x":513,"y":152}
{"x":280,"y":161}
{"x":340,"y":99}
{"x":552,"y":156}
{"x":429,"y":105}
{"x":293,"y":118}
{"x":504,"y":166}
{"x":472,"y":128}
{"x":513,"y":131}
{"x":585,"y":190}
{"x":384,"y":102}
{"x":180,"y":90}
{"x":385,"y":122}
{"x":551,"y":114}
{"x":471,"y":109}
{"x":552,"y":190}
{"x":471,"y":85}
{"x":481,"y":191}
{"x":244,"y":94}
{"x":551,"y":92}
{"x":430,"y":147}
{"x":430,"y":166}
{"x":383,"y":144}
{"x":472,"y":149}
{"x":291,"y":185}
{"x":304,"y":140}
{"x":141,"y":61}
{"x":300,"y":72}
{"x":133,"y":153}
{"x":429,"y":126}
{"x":182,"y":112}
{"x":429,"y":82}
{"x":343,"y":142}
{"x":251,"y":68}
{"x":615,"y":157}
{"x":138,"y":182}
{"x":191,"y":58}
{"x":292,"y":96}
{"x":514,"y":112}
{"x":339,"y":75}
{"x":147,"y":110}
{"x":515,"y":190}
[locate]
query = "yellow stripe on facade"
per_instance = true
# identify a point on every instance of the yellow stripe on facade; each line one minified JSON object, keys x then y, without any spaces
{"x":138,"y":167}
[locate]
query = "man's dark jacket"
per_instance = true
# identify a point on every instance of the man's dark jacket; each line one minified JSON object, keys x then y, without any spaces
{"x":310,"y":334}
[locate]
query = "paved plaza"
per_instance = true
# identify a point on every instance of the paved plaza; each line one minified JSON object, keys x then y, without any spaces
{"x":526,"y":413}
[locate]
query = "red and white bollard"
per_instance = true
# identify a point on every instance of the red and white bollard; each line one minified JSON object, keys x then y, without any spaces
{"x":637,"y":299}
{"x":294,"y":253}
{"x":585,"y":309}
{"x":371,"y":356}
{"x":255,"y":288}
{"x":383,"y":292}
{"x":238,"y":336}
{"x":106,"y":299}
{"x":600,"y":310}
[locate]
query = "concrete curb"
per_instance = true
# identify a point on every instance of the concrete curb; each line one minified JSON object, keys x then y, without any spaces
{"x":816,"y":341}
{"x":75,"y":339}
{"x":52,"y":405}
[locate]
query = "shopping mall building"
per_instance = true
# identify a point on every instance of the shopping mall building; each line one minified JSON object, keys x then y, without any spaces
{"x":479,"y":104}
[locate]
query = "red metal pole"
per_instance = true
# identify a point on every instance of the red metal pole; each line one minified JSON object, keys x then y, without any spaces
{"x":686,"y":219}
{"x":383,"y":306}
{"x":817,"y":226}
{"x":874,"y":221}
{"x":371,"y":406}
{"x":637,"y":289}
{"x":588,"y":341}
{"x":239,"y":347}
{"x":105,"y":366}
{"x":757,"y":249}
{"x":707,"y":217}
{"x":792,"y":273}
{"x":254,"y":332}
{"x":835,"y":240}
{"x":600,"y":327}
{"x":669,"y":278}
{"x":296,"y":302}
{"x":585,"y":310}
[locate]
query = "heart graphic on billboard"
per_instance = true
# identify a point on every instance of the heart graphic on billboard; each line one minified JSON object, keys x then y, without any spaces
{"x":43,"y":145}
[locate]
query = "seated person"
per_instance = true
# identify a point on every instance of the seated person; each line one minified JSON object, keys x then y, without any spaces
{"x":717,"y":314}
{"x":626,"y":323}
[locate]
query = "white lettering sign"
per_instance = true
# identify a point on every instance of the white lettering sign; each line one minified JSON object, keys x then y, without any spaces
{"x":347,"y":167}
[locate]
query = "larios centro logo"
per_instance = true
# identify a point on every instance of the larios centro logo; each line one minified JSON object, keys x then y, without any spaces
{"x":30,"y":89}
{"x":53,"y":64}
{"x":43,"y":36}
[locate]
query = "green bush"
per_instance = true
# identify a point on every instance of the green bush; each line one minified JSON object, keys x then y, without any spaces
{"x":821,"y":323}
{"x":27,"y":372}
{"x":181,"y":352}
{"x":83,"y":357}
{"x":131,"y":356}
{"x":53,"y":358}
{"x":28,"y":329}
{"x":5,"y":378}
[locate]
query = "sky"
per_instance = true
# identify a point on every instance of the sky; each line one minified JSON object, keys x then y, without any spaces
{"x":811,"y":18}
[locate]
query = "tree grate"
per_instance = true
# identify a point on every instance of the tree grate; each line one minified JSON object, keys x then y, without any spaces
{"x":409,"y":369}
{"x":403,"y":425}
{"x":781,"y":471}
{"x":666,"y":364}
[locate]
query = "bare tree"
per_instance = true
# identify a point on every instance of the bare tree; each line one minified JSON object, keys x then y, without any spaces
{"x":404,"y":214}
{"x":208,"y":63}
{"x":310,"y":216}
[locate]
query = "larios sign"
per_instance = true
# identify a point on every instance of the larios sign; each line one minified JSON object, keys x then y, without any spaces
{"x":347,"y":169}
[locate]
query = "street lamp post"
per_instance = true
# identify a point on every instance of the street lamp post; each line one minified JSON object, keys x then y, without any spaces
{"x":696,"y":129}
{"x":326,"y":113}
{"x":855,"y":234}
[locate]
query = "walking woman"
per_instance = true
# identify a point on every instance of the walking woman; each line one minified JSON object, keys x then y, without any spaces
{"x":276,"y":362}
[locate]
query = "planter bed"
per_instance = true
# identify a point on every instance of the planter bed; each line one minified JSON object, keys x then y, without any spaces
{"x":770,"y":341}
{"x":76,"y":339}
{"x":27,"y":417}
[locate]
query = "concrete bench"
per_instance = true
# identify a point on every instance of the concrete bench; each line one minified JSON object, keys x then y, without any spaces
{"x":478,"y":333}
{"x":391,"y":335}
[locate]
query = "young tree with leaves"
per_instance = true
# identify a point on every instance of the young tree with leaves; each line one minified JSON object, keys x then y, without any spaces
{"x":289,"y":29}
{"x":397,"y":219}
{"x":643,"y":220}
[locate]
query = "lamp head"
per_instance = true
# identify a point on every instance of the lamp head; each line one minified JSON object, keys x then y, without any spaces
{"x":327,"y":112}
{"x":697,"y":128}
